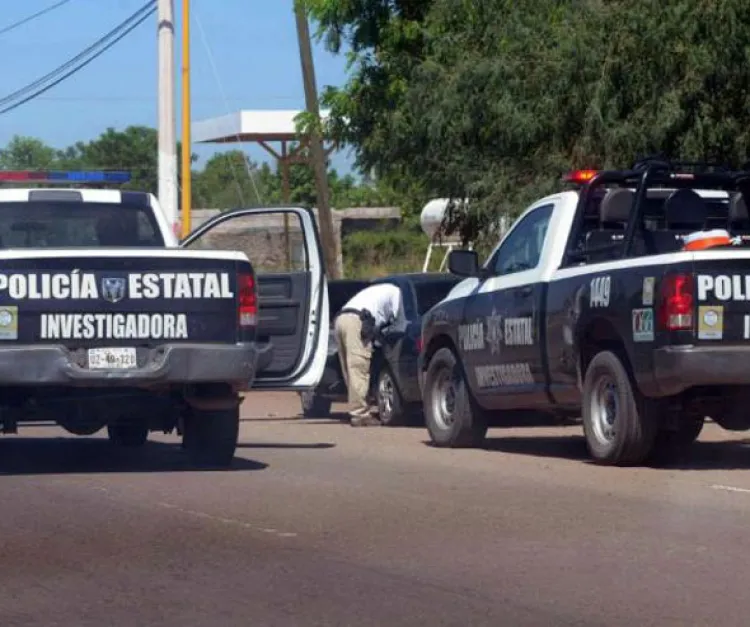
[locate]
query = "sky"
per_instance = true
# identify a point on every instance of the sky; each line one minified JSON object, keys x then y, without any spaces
{"x":251,"y":44}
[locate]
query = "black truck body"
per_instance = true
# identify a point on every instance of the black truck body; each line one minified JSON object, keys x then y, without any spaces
{"x":590,"y":306}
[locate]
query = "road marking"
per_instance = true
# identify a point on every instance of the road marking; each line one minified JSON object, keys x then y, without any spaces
{"x":730,"y":488}
{"x":228,"y":521}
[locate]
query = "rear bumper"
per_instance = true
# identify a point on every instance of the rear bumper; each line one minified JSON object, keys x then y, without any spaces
{"x":235,"y":364}
{"x":677,"y":368}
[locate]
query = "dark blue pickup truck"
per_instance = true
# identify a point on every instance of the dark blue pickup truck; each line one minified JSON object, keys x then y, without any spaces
{"x":395,"y":386}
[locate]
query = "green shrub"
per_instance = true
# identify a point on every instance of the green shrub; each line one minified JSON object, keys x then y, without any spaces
{"x":369,"y":254}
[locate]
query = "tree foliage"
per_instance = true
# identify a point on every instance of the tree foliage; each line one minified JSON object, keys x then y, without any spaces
{"x":227,"y":180}
{"x":385,"y":39}
{"x":492,"y":100}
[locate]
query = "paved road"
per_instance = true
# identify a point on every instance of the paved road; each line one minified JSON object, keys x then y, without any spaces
{"x":322,"y":524}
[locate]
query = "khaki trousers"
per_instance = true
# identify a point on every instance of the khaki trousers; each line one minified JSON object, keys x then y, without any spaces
{"x":355,"y":357}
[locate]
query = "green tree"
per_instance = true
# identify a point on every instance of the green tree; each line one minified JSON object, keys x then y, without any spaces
{"x":27,"y":153}
{"x":386,"y":43}
{"x":228,"y":180}
{"x":495,"y":99}
{"x":345,"y":191}
{"x":133,"y":149}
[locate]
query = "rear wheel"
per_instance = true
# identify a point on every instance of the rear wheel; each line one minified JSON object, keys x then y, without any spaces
{"x":128,"y":434}
{"x":211,"y":436}
{"x":618,"y":421}
{"x":315,"y":406}
{"x":451,"y":415}
{"x":671,"y":444}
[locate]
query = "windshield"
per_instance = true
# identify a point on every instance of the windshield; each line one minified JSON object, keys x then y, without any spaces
{"x":74,"y":225}
{"x":430,"y":294}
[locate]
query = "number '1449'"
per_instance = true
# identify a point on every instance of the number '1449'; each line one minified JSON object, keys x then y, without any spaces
{"x":600,"y":291}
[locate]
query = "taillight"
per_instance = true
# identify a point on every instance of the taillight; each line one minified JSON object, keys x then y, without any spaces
{"x":247,"y":301}
{"x":418,"y":344}
{"x":676,"y":303}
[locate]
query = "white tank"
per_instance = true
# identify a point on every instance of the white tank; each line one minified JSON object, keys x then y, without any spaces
{"x":431,"y":218}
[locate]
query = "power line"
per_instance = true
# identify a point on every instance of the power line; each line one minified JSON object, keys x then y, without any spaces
{"x":150,"y":7}
{"x":29,"y":18}
{"x":144,"y":11}
{"x":226,"y":106}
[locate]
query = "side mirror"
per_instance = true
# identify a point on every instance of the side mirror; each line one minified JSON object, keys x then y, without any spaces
{"x":463,"y":263}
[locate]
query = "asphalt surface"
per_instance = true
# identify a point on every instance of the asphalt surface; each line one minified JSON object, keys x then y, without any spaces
{"x":322,"y":524}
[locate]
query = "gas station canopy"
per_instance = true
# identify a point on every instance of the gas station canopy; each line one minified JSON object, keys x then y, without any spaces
{"x":249,"y":126}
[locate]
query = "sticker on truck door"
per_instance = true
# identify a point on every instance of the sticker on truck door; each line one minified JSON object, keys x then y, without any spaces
{"x":647,"y":292}
{"x":710,"y":322}
{"x":643,"y":325}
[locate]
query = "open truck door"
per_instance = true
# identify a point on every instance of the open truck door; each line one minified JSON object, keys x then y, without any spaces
{"x":284,"y":249}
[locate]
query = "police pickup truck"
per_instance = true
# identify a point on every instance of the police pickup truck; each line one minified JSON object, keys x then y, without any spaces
{"x":106,"y":320}
{"x":591,"y":306}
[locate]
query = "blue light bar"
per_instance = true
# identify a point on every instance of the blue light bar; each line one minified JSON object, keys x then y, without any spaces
{"x":60,"y":176}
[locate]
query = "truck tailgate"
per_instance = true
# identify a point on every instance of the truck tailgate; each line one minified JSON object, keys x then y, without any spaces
{"x":722,"y":294}
{"x":133,"y":298}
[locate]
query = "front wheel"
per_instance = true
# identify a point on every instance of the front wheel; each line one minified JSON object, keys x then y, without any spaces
{"x":391,"y":408}
{"x":451,"y":415}
{"x":211,"y":436}
{"x":618,"y":423}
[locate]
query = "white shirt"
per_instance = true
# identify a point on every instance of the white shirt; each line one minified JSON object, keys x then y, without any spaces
{"x":383,"y":301}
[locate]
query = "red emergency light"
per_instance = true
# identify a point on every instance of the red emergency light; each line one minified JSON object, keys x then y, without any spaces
{"x":580,"y":176}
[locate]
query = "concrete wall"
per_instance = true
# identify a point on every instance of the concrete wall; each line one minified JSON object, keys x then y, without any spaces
{"x":262,"y":238}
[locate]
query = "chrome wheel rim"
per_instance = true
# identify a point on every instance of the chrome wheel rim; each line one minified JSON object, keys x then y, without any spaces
{"x":605,"y":409}
{"x":386,"y":395}
{"x":444,"y":399}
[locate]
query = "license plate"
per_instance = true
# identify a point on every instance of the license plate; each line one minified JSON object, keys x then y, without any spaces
{"x":112,"y":358}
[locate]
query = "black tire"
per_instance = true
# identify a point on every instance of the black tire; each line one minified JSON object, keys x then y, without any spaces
{"x":628,"y":438}
{"x":211,"y":436}
{"x":315,"y":406}
{"x":128,"y":434}
{"x":391,"y":409}
{"x":670,"y":445}
{"x":451,"y":415}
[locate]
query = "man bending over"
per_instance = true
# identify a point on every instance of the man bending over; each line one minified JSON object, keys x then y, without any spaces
{"x":358,"y":324}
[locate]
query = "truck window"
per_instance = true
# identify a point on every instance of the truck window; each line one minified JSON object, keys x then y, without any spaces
{"x":430,"y":293}
{"x":274,"y":243}
{"x":522,"y":249}
{"x":73,"y":225}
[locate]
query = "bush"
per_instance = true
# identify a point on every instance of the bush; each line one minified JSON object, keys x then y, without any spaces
{"x":370,"y":254}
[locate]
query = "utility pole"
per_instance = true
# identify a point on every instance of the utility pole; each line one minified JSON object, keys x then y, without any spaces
{"x":167,"y":143}
{"x":187,"y":153}
{"x":325,"y":218}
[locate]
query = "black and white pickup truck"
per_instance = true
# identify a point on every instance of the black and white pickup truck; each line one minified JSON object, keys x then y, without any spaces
{"x":106,"y":320}
{"x":591,"y":307}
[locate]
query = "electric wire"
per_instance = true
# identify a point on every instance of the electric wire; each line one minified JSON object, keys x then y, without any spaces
{"x":117,"y":33}
{"x":32,"y":17}
{"x":215,"y":71}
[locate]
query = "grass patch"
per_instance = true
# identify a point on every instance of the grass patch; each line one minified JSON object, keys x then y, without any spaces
{"x":371,"y":254}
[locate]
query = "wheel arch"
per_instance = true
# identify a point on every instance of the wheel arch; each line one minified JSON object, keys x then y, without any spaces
{"x":442,"y":340}
{"x":597,"y":335}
